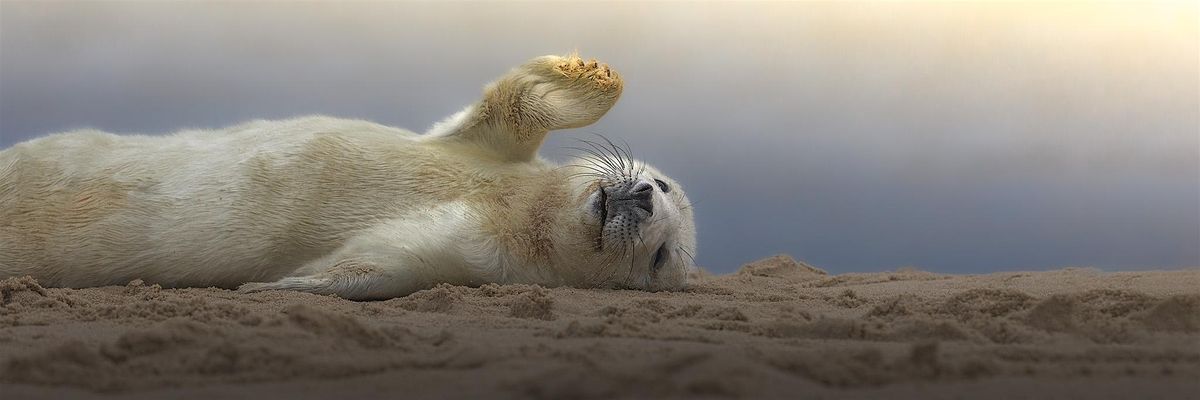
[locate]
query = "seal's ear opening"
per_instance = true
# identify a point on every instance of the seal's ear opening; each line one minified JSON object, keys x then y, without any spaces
{"x":546,"y":93}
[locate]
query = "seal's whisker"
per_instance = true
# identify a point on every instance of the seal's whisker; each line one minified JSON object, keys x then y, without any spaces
{"x":611,"y":264}
{"x":612,"y":149}
{"x":652,"y":222}
{"x":593,"y":168}
{"x":599,"y":148}
{"x":614,"y":159}
{"x":596,"y":169}
{"x":621,"y":156}
{"x":588,"y":159}
{"x":605,"y":269}
{"x":614,"y":265}
{"x":693,"y":258}
{"x":689,"y":205}
{"x":594,"y":150}
{"x":597,"y":166}
{"x":632,"y":258}
{"x":596,"y":158}
{"x":629,"y":152}
{"x":579,"y":174}
{"x":579,"y":185}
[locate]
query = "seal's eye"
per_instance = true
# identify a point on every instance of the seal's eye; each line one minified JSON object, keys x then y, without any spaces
{"x":663,"y":185}
{"x":660,"y":257}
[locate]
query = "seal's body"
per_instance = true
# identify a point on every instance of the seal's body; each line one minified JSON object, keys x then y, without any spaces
{"x":350,"y":207}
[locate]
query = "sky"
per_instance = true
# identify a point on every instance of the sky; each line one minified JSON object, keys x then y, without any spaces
{"x":962,"y":137}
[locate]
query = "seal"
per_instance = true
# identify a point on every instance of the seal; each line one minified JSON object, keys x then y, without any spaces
{"x":353,"y":208}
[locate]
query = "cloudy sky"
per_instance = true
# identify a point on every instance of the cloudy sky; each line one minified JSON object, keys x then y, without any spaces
{"x":856,"y":136}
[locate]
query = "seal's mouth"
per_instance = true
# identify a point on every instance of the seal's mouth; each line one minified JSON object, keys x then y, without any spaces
{"x":622,"y":207}
{"x":601,"y":206}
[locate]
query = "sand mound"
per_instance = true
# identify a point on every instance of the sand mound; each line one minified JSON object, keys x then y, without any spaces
{"x":782,"y":266}
{"x":775,"y":328}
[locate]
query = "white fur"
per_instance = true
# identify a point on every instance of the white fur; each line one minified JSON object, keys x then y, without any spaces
{"x":451,"y":124}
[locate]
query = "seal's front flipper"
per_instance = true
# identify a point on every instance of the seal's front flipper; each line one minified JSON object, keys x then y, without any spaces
{"x":392,"y":259}
{"x":311,"y":284}
{"x":544,"y":94}
{"x":354,"y":283}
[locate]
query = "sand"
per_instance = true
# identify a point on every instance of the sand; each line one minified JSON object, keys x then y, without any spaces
{"x":776,"y":329}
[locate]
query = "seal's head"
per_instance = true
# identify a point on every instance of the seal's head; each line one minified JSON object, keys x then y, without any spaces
{"x":634,"y":225}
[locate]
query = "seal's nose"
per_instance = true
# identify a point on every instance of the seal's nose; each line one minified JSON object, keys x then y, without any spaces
{"x":641,"y":194}
{"x":641,"y":190}
{"x":636,"y":196}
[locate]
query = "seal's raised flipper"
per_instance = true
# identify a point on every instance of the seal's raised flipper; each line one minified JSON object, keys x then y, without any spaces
{"x":544,"y":94}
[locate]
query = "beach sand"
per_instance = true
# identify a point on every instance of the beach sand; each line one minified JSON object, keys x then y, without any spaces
{"x":776,"y":329}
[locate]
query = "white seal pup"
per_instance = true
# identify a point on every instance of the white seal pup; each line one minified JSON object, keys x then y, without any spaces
{"x":353,"y":208}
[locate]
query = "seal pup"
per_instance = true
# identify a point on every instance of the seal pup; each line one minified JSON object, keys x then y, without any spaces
{"x":352,"y":208}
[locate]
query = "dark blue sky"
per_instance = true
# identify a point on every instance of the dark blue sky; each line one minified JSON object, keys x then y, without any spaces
{"x":858,"y":137}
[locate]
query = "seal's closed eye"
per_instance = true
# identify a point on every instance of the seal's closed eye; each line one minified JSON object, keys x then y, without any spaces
{"x":660,"y":257}
{"x":663,"y":186}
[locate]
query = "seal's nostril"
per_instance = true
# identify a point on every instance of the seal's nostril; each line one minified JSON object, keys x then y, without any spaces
{"x":642,"y":188}
{"x":639,"y":195}
{"x":642,"y":193}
